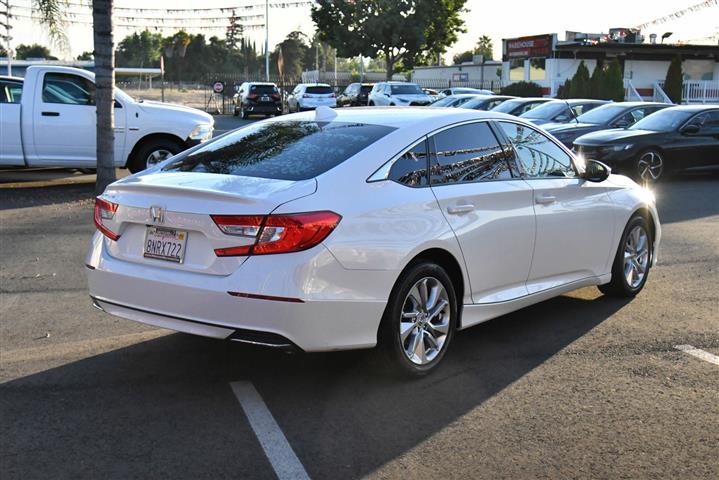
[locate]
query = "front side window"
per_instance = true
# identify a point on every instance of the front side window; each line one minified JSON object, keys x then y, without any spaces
{"x":538,"y":156}
{"x":411,"y":168}
{"x":467,"y":153}
{"x":707,"y":122}
{"x":68,"y":89}
{"x":284,"y":150}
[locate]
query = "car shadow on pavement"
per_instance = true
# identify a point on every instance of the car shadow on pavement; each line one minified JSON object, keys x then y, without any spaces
{"x":23,"y":197}
{"x":687,"y":197}
{"x":164,"y":407}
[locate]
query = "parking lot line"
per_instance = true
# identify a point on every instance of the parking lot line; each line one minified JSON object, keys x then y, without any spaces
{"x":696,"y":352}
{"x":273,"y":441}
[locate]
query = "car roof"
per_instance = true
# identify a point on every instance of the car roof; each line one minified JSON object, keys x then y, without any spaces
{"x":694,"y":108}
{"x":402,"y":117}
{"x":262,"y":83}
{"x":530,"y":99}
{"x":313,"y":84}
{"x":395,"y":82}
{"x":466,"y":95}
{"x":636,"y":104}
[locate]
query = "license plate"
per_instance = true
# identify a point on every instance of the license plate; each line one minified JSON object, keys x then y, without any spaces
{"x":265,"y":99}
{"x":165,"y":244}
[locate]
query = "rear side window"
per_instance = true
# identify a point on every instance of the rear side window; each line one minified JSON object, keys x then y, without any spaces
{"x":411,"y":168}
{"x":285,"y":150}
{"x":68,"y":89}
{"x":468,"y":153}
{"x":319,"y":90}
{"x":10,"y":92}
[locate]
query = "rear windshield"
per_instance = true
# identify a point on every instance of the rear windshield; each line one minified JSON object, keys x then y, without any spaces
{"x":319,"y":90}
{"x":406,"y":89}
{"x":366,"y":88}
{"x":263,"y":89}
{"x":283,"y":150}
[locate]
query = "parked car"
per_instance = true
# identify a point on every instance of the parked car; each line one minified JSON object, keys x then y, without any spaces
{"x":519,"y":106}
{"x":308,"y":96}
{"x":249,"y":238}
{"x":561,"y":111}
{"x":485,"y":102}
{"x":612,"y":115}
{"x":433,"y":94}
{"x":48,"y":119}
{"x":398,"y":94}
{"x":453,"y":101}
{"x":257,"y":98}
{"x":671,"y":140}
{"x":459,"y":90}
{"x":354,"y":95}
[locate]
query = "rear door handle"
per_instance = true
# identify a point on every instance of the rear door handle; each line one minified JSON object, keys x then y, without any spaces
{"x":50,"y":114}
{"x":460,"y":209}
{"x":545,"y":199}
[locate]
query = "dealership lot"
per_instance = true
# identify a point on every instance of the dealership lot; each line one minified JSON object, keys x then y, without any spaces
{"x":578,"y":386}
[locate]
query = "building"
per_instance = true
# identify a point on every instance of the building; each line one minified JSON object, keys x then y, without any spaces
{"x":545,"y":60}
{"x":476,"y":74}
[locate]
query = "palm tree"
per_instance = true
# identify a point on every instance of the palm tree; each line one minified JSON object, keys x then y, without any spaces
{"x":52,"y":14}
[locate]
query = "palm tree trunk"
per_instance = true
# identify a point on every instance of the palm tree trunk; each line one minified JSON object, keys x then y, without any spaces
{"x":105,"y":92}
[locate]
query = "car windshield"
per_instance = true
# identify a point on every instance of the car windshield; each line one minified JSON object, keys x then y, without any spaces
{"x":319,"y":90}
{"x":283,"y":150}
{"x":546,"y":111}
{"x":508,"y":106}
{"x":444,"y":102}
{"x":407,"y":89}
{"x":601,"y":115}
{"x":665,"y":120}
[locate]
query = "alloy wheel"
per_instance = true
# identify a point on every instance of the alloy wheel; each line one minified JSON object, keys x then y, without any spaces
{"x":650,"y":166}
{"x":425,"y":321}
{"x":158,"y":156}
{"x":636,"y":256}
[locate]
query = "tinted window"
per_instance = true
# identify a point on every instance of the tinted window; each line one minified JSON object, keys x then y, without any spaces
{"x":602,"y":114}
{"x":10,"y":92}
{"x":67,"y":88}
{"x":289,"y":150}
{"x":468,"y":153}
{"x":319,"y":90}
{"x":263,"y":89}
{"x":365,"y":88}
{"x":408,"y":89}
{"x":411,"y":168}
{"x":538,"y":156}
{"x":707,"y":122}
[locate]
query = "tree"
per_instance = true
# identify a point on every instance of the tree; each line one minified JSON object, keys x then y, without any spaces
{"x":139,"y":50}
{"x":460,"y":58}
{"x":613,"y":84}
{"x":674,"y":81}
{"x":597,"y":87}
{"x":405,"y":32}
{"x":85,"y":56}
{"x":103,"y":37}
{"x":23,"y":52}
{"x":564,"y":89}
{"x":3,"y":52}
{"x":580,"y":82}
{"x":484,"y":47}
{"x":294,"y":53}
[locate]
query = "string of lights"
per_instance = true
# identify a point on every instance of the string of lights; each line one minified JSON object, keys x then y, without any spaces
{"x":678,"y":14}
{"x":249,"y":6}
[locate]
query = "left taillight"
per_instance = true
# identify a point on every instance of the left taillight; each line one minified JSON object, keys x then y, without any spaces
{"x":105,"y":210}
{"x":276,"y":233}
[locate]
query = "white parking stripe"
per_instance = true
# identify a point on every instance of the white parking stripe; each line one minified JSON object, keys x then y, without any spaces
{"x":696,"y":352}
{"x":273,"y":441}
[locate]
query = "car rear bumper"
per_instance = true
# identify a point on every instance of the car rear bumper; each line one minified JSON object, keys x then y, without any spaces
{"x":306,"y":298}
{"x":264,"y":108}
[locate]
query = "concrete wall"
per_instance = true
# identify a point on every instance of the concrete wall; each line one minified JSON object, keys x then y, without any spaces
{"x":445,"y":72}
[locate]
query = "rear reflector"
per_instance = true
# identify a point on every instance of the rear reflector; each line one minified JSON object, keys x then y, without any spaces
{"x":105,"y":210}
{"x":276,"y":233}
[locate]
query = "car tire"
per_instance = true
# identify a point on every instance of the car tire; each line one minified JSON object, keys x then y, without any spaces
{"x":649,"y":167}
{"x":236,"y":112}
{"x":413,"y":341}
{"x":244,"y":115}
{"x":371,"y":104}
{"x":633,"y":260}
{"x":152,"y":152}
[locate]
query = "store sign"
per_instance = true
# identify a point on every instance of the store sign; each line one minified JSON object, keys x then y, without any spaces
{"x":528,"y":47}
{"x":460,"y":77}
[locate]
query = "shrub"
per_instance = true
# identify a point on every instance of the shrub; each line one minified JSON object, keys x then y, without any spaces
{"x":580,"y":82}
{"x":597,"y":86}
{"x":674,"y":82}
{"x":613,"y":82}
{"x":523,"y":89}
{"x":563,"y":90}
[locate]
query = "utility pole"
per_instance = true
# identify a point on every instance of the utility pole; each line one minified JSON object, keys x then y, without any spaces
{"x":7,"y":36}
{"x":267,"y":40}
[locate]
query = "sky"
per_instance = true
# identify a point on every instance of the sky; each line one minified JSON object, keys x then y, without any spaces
{"x":498,"y":20}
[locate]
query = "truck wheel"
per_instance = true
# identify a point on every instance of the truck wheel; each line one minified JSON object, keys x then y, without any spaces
{"x":152,"y":153}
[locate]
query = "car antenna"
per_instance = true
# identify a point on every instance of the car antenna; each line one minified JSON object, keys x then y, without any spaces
{"x":571,"y":112}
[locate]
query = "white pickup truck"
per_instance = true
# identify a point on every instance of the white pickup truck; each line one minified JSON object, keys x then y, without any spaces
{"x":48,"y":119}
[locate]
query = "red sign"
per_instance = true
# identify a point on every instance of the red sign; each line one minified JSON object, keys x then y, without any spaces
{"x":528,"y":47}
{"x":218,"y":87}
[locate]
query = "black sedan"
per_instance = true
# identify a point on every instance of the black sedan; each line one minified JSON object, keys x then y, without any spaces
{"x":561,"y":111}
{"x":354,"y":95}
{"x":612,"y":115}
{"x":485,"y":102}
{"x":674,"y":139}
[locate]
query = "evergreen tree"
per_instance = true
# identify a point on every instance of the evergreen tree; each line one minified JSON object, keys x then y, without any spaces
{"x":614,"y":82}
{"x":564,"y":89}
{"x":597,"y":87}
{"x":580,"y":82}
{"x":674,"y":81}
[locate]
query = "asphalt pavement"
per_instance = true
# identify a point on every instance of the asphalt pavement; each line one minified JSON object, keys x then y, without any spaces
{"x":581,"y":386}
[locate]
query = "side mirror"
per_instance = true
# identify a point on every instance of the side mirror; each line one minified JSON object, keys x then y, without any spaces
{"x":561,"y":118}
{"x":691,"y":129}
{"x":620,"y":124}
{"x":596,"y":171}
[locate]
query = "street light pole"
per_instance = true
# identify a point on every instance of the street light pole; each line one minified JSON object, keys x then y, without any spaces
{"x":7,"y":36}
{"x":267,"y":40}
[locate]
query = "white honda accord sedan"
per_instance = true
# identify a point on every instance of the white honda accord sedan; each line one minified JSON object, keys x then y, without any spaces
{"x":346,"y":229}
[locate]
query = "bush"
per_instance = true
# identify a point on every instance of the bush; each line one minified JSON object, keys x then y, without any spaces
{"x":613,"y":82}
{"x":563,"y":90}
{"x":675,"y":81}
{"x":523,"y":89}
{"x":580,"y":82}
{"x":597,"y":87}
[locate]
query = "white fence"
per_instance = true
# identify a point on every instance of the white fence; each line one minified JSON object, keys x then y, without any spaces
{"x":700,"y":91}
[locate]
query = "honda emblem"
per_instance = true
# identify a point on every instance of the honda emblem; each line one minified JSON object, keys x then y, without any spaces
{"x":157,"y":214}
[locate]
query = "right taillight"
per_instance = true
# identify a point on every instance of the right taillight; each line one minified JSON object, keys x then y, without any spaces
{"x":105,"y":210}
{"x":276,"y":233}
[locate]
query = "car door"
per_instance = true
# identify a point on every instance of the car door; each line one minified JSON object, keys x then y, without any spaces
{"x":704,"y":144}
{"x":489,"y":209}
{"x":11,"y":152}
{"x":574,"y":217}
